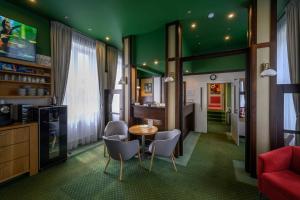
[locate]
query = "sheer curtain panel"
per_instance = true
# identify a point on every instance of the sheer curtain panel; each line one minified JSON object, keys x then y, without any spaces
{"x":82,"y":93}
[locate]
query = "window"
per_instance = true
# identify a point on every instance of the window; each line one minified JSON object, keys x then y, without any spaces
{"x":116,"y":102}
{"x":119,"y":72}
{"x":288,"y":96}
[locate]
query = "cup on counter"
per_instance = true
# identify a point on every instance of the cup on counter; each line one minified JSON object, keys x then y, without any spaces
{"x":47,"y":92}
{"x":13,"y":77}
{"x":24,"y":78}
{"x":22,"y":92}
{"x":150,"y":123}
{"x":31,"y":91}
{"x":40,"y":92}
{"x":6,"y":77}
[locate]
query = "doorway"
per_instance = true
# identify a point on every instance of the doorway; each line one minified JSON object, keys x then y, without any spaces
{"x":219,"y":107}
{"x":113,"y":105}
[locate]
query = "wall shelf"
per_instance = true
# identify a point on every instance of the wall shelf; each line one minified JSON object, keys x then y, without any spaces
{"x":23,"y":63}
{"x":26,"y":74}
{"x":24,"y":97}
{"x":25,"y":83}
{"x":9,"y":88}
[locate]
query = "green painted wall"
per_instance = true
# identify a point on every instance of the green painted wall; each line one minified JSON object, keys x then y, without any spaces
{"x":27,"y":17}
{"x":220,"y":64}
{"x":150,"y":47}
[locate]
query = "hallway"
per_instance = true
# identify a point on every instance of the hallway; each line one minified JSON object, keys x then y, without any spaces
{"x":217,"y":127}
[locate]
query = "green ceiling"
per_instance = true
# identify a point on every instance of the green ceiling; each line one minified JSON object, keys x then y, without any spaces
{"x":280,"y":7}
{"x":117,"y":18}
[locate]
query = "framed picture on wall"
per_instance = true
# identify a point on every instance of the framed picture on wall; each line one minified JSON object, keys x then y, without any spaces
{"x":215,"y":89}
{"x":148,"y":88}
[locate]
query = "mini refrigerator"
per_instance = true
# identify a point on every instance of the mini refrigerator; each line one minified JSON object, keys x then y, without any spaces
{"x":52,"y":122}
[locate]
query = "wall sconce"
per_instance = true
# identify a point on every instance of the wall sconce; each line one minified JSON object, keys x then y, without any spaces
{"x":138,"y":87}
{"x":170,"y":77}
{"x":123,"y":80}
{"x":266,"y":70}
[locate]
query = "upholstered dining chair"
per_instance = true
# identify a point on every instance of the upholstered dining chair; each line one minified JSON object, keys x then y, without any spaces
{"x":116,"y":128}
{"x":121,"y":151}
{"x":163,"y":145}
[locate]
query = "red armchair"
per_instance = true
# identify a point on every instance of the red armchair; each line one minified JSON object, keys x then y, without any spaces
{"x":279,"y":174}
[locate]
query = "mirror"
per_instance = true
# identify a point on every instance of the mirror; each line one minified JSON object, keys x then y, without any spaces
{"x":150,"y":87}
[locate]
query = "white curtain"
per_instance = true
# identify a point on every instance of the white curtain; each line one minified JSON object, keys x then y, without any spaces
{"x":283,"y":75}
{"x":82,"y":93}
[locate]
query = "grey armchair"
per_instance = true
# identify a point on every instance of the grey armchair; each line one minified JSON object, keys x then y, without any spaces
{"x":121,"y":151}
{"x":164,"y":144}
{"x":116,"y":129}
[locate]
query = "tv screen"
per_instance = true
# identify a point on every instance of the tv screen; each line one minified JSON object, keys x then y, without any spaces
{"x":17,"y":40}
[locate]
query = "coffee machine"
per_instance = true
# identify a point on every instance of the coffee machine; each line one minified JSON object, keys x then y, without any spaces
{"x":5,"y":114}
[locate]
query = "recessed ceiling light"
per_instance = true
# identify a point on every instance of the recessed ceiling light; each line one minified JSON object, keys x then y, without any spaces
{"x":90,"y":29}
{"x":156,"y":62}
{"x":231,"y":15}
{"x":193,"y":25}
{"x":32,"y":1}
{"x":211,"y":15}
{"x":66,"y":17}
{"x":189,"y":12}
{"x":187,"y":71}
{"x":227,"y":37}
{"x":107,"y":38}
{"x":144,"y":64}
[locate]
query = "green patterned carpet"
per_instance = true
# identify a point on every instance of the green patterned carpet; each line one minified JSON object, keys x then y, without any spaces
{"x":208,"y":175}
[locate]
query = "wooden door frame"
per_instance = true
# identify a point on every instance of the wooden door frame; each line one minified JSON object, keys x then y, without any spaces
{"x":252,"y":83}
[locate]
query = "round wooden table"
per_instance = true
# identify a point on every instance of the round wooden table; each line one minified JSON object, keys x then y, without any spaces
{"x":143,"y":130}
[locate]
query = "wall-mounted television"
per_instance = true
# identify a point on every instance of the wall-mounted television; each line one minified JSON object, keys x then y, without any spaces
{"x":17,"y":40}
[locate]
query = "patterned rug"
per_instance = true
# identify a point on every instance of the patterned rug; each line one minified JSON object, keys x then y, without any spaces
{"x":189,"y":145}
{"x":209,"y":174}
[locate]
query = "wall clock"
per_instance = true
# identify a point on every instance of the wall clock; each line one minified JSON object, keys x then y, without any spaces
{"x":213,"y":77}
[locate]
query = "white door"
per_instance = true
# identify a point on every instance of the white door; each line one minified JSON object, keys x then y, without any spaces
{"x":235,"y":112}
{"x":197,"y":93}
